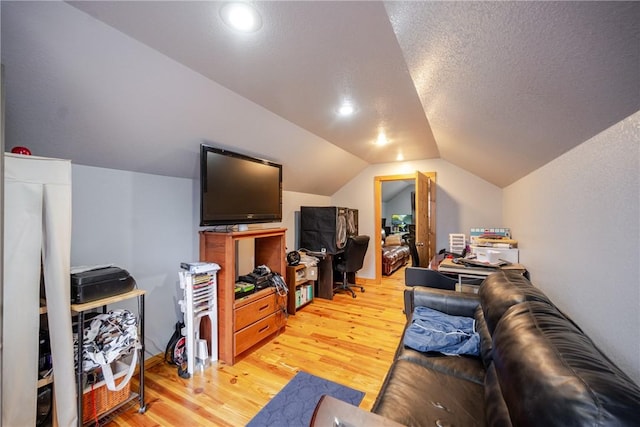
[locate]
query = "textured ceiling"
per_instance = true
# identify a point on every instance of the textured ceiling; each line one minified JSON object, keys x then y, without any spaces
{"x":497,"y":88}
{"x":508,"y":86}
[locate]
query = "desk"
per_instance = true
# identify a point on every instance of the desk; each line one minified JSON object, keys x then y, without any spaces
{"x":448,"y":266}
{"x":325,"y":273}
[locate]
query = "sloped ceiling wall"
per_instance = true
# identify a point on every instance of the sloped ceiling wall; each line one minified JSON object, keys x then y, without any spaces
{"x":498,"y":88}
{"x":79,"y":89}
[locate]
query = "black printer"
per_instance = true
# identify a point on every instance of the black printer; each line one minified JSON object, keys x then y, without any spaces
{"x":101,"y":282}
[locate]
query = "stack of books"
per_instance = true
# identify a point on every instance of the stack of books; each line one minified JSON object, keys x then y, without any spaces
{"x":304,"y":294}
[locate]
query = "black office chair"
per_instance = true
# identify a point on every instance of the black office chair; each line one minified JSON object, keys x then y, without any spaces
{"x":413,"y":250}
{"x":434,"y":279}
{"x":429,"y":278}
{"x":349,"y":262}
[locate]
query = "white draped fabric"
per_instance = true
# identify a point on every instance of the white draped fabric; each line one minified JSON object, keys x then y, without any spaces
{"x":37,"y":230}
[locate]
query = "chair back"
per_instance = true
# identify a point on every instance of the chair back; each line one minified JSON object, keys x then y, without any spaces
{"x":415,"y":258}
{"x":354,"y":253}
{"x":429,"y":278}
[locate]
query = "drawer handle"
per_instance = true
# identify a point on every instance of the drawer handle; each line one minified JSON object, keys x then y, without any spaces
{"x":263,"y":329}
{"x":264,"y":307}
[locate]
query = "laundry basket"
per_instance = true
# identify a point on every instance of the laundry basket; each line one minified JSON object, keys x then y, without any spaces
{"x":98,"y":399}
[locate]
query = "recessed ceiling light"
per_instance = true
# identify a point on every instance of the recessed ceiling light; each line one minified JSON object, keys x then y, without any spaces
{"x":241,"y":16}
{"x":346,"y":109}
{"x":382,"y":139}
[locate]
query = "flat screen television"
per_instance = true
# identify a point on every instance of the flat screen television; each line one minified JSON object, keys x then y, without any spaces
{"x":238,"y":189}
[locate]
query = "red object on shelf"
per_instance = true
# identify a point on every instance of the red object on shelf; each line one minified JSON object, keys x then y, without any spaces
{"x":21,"y":150}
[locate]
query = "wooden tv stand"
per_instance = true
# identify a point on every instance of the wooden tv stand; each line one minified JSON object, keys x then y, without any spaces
{"x":244,"y":322}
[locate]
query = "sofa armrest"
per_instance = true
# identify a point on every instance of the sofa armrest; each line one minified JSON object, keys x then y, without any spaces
{"x":420,"y":276}
{"x":445,"y":301}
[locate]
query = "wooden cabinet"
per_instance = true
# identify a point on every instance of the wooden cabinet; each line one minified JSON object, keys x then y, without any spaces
{"x":244,"y":322}
{"x":257,"y":317}
{"x":301,"y":287}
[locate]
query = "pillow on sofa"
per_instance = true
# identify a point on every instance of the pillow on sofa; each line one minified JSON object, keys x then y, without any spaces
{"x":432,"y":330}
{"x":393,"y":240}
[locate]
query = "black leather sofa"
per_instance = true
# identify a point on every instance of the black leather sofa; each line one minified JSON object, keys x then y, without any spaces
{"x":536,"y":367}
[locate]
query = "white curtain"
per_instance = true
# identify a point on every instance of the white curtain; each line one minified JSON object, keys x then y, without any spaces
{"x":37,"y":228}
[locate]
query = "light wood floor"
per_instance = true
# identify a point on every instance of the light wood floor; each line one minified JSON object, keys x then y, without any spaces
{"x":349,"y":341}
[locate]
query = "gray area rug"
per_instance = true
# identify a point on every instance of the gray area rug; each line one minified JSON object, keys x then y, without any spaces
{"x":294,"y":404}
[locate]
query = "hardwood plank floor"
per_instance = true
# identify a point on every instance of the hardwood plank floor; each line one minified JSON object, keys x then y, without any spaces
{"x":346,"y":340}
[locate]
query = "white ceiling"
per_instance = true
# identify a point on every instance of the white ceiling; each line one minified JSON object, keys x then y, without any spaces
{"x":497,"y":88}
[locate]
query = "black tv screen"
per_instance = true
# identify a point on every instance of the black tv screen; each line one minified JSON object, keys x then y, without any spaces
{"x":238,"y":189}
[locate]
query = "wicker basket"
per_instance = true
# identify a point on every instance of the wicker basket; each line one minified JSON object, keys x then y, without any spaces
{"x":99,"y":399}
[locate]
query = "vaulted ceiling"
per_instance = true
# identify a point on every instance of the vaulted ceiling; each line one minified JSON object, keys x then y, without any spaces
{"x":497,"y":88}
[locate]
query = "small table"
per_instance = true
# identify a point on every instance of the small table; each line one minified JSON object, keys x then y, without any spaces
{"x":80,"y":310}
{"x":325,"y":279}
{"x":463,"y":272}
{"x":332,"y":412}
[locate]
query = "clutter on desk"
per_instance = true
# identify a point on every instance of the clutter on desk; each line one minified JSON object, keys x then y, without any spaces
{"x":487,"y":245}
{"x":308,"y":259}
{"x":493,"y":244}
{"x":471,"y":262}
{"x":457,"y":243}
{"x":492,"y":237}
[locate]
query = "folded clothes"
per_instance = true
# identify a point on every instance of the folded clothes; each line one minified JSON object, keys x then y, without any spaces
{"x":432,"y":330}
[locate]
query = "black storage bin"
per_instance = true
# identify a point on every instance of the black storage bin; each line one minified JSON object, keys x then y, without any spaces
{"x":327,"y":227}
{"x":100,"y":283}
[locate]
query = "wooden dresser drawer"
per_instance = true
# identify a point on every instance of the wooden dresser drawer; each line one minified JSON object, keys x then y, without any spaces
{"x":255,"y":333}
{"x":254,"y":311}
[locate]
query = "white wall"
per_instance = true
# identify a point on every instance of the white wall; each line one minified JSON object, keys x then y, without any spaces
{"x":291,"y":202}
{"x":79,"y":89}
{"x":148,"y":224}
{"x":577,"y":220}
{"x":142,"y":223}
{"x":462,"y":201}
{"x":400,"y":204}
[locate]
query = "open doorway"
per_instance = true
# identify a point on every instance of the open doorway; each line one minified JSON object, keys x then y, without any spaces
{"x":418,"y":212}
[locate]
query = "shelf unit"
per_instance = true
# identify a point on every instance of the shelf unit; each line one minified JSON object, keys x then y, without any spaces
{"x":301,"y":287}
{"x":244,"y":322}
{"x":43,"y":382}
{"x":198,"y":303}
{"x":80,"y":310}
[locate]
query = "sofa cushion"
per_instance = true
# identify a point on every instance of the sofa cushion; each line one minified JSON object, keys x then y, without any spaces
{"x":416,"y":396}
{"x":469,"y":368}
{"x":551,"y":373}
{"x":464,"y":367}
{"x":496,"y":411}
{"x":485,"y":338}
{"x":393,"y":240}
{"x":502,"y":290}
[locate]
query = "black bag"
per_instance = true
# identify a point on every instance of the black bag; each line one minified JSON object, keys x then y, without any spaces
{"x":176,"y":351}
{"x":91,"y":285}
